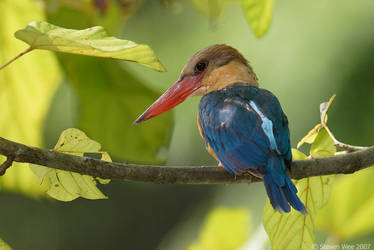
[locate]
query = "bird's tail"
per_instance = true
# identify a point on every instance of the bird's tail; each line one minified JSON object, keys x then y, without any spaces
{"x":279,"y":187}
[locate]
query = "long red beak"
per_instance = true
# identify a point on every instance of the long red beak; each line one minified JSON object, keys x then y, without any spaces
{"x":176,"y":94}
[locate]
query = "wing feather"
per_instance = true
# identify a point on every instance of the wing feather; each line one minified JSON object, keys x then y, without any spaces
{"x":232,"y":126}
{"x":234,"y":132}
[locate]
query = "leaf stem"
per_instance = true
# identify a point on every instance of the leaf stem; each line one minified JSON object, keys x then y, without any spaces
{"x":16,"y":57}
{"x":324,"y":107}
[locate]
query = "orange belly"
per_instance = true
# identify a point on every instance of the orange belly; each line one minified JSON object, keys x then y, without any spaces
{"x":207,"y":146}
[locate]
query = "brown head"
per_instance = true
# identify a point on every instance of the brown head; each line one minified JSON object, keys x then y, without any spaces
{"x":209,"y":69}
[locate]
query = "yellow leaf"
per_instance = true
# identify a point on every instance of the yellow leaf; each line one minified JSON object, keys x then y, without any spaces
{"x":93,"y":41}
{"x":297,"y":155}
{"x":76,"y":141}
{"x":258,"y":14}
{"x":67,"y":186}
{"x":224,"y":229}
{"x":311,"y":136}
{"x":4,"y":245}
{"x":323,"y":145}
{"x":26,"y":90}
{"x":349,"y":213}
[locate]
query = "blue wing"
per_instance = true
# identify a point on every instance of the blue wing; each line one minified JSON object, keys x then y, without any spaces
{"x":247,"y":129}
{"x":234,"y":128}
{"x":271,"y":108}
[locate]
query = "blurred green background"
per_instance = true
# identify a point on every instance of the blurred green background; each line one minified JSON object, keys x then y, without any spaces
{"x":312,"y":50}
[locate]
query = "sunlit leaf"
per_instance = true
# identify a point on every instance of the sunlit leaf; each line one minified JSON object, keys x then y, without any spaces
{"x":26,"y":90}
{"x":259,"y":14}
{"x":323,"y":145}
{"x":224,"y":229}
{"x":349,"y":213}
{"x":311,"y":136}
{"x":93,"y":41}
{"x":4,"y":245}
{"x":67,"y":186}
{"x":294,"y":230}
{"x":297,"y":155}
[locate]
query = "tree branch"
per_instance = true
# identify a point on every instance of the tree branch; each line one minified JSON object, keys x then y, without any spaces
{"x":342,"y":164}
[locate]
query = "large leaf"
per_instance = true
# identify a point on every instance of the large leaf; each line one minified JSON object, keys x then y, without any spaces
{"x":351,"y":210}
{"x":110,"y":100}
{"x":294,"y":230}
{"x":4,"y":245}
{"x":67,"y":186}
{"x":258,"y":14}
{"x":224,"y":229}
{"x":93,"y":41}
{"x":26,"y":90}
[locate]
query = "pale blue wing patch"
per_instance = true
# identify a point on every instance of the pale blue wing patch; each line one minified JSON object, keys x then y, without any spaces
{"x":267,"y":126}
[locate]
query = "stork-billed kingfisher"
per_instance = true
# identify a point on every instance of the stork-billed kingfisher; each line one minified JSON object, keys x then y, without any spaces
{"x":243,"y":126}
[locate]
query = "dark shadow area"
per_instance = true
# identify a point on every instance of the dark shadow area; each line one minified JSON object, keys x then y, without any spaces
{"x":136,"y":216}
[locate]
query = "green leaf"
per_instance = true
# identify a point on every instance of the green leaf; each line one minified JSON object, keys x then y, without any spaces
{"x":224,"y":229}
{"x":349,"y":213}
{"x":26,"y":90}
{"x":294,"y":230}
{"x":323,"y":145}
{"x":258,"y":14}
{"x":67,"y":186}
{"x":110,"y":101}
{"x":93,"y":41}
{"x":4,"y":245}
{"x":297,"y":155}
{"x":311,"y":136}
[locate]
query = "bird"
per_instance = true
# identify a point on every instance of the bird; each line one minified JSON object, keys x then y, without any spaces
{"x":243,"y":126}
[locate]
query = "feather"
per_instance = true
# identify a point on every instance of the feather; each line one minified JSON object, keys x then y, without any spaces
{"x":248,"y":132}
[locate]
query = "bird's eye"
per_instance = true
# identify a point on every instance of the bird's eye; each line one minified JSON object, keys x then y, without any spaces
{"x":200,"y":67}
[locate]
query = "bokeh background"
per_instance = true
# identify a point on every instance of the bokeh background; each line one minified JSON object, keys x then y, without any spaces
{"x":312,"y":50}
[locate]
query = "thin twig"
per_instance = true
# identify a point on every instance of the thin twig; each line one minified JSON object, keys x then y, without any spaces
{"x":15,"y":58}
{"x":349,"y":148}
{"x":342,"y":164}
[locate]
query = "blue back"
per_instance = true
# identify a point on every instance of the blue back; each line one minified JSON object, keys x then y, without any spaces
{"x":232,"y":120}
